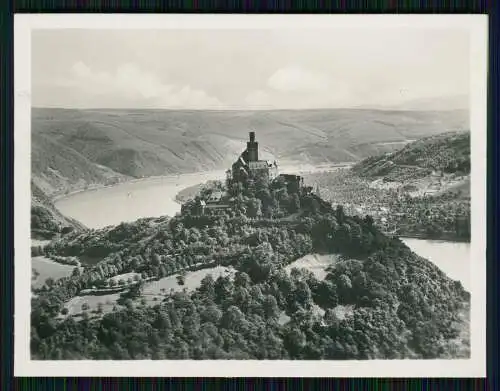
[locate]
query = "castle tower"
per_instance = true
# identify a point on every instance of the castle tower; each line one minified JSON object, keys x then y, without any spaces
{"x":253,"y":148}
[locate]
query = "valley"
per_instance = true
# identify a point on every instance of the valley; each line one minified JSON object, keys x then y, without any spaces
{"x":305,"y":269}
{"x":74,"y":149}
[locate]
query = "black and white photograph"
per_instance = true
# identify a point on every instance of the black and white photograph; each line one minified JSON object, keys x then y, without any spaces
{"x":217,"y":195}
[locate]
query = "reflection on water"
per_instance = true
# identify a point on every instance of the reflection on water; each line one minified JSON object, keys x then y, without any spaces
{"x":451,"y":257}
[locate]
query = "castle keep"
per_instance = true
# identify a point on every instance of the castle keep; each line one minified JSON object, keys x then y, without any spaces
{"x":247,"y":170}
{"x":248,"y":165}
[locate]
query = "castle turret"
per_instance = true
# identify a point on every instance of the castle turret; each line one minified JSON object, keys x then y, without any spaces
{"x":253,"y":148}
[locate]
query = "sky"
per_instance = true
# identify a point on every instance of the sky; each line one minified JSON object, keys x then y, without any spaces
{"x":247,"y":69}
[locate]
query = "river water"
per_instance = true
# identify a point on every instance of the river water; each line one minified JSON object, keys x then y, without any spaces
{"x":130,"y":201}
{"x":156,"y":197}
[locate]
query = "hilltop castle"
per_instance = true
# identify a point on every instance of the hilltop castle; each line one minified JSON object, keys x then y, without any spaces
{"x":248,"y":165}
{"x":247,"y":170}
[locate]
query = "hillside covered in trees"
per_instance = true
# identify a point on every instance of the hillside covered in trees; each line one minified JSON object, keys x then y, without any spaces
{"x":379,"y":300}
{"x":46,"y":220}
{"x":447,"y":153}
{"x":421,"y":190}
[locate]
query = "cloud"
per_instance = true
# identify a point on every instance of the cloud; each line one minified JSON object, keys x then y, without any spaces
{"x":293,"y":87}
{"x":137,"y":87}
{"x":297,"y":88}
{"x":297,"y":79}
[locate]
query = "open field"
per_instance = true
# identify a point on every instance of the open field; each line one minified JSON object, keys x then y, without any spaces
{"x":315,"y":263}
{"x":125,"y":277}
{"x":153,"y":292}
{"x":36,"y":242}
{"x":191,"y":282}
{"x":74,"y":306}
{"x":47,"y":268}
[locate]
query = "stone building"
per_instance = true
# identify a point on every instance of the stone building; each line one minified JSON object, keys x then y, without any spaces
{"x":249,"y":166}
{"x":293,"y":182}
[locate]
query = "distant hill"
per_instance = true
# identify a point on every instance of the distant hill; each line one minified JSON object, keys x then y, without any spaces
{"x":72,"y":149}
{"x":456,"y":102}
{"x":422,"y":190}
{"x":447,"y":153}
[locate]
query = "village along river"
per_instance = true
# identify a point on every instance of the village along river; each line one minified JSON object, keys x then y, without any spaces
{"x":155,"y":196}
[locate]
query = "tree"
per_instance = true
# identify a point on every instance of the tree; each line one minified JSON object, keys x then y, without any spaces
{"x":344,"y":288}
{"x":223,"y":288}
{"x":85,"y":306}
{"x":270,"y":306}
{"x":76,"y":272}
{"x":302,"y":295}
{"x":211,"y":314}
{"x":49,"y":282}
{"x":181,"y":278}
{"x":155,"y":259}
{"x":233,"y":319}
{"x":242,"y":279}
{"x":326,"y":294}
{"x":254,"y":208}
{"x":295,"y":340}
{"x":136,"y":290}
{"x":207,"y":286}
{"x":259,"y":264}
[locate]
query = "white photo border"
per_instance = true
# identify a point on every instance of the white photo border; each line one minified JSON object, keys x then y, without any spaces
{"x":477,"y":25}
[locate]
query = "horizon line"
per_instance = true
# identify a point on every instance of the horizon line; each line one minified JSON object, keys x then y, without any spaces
{"x":377,"y":108}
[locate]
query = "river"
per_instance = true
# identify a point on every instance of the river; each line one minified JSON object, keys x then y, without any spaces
{"x":156,"y":197}
{"x":132,"y":200}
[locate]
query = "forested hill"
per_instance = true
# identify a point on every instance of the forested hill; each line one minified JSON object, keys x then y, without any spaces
{"x":421,"y":190}
{"x":378,"y":300}
{"x":447,"y":153}
{"x":72,"y":149}
{"x":46,"y":220}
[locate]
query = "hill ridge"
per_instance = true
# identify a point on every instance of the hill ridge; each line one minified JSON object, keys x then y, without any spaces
{"x":161,"y":142}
